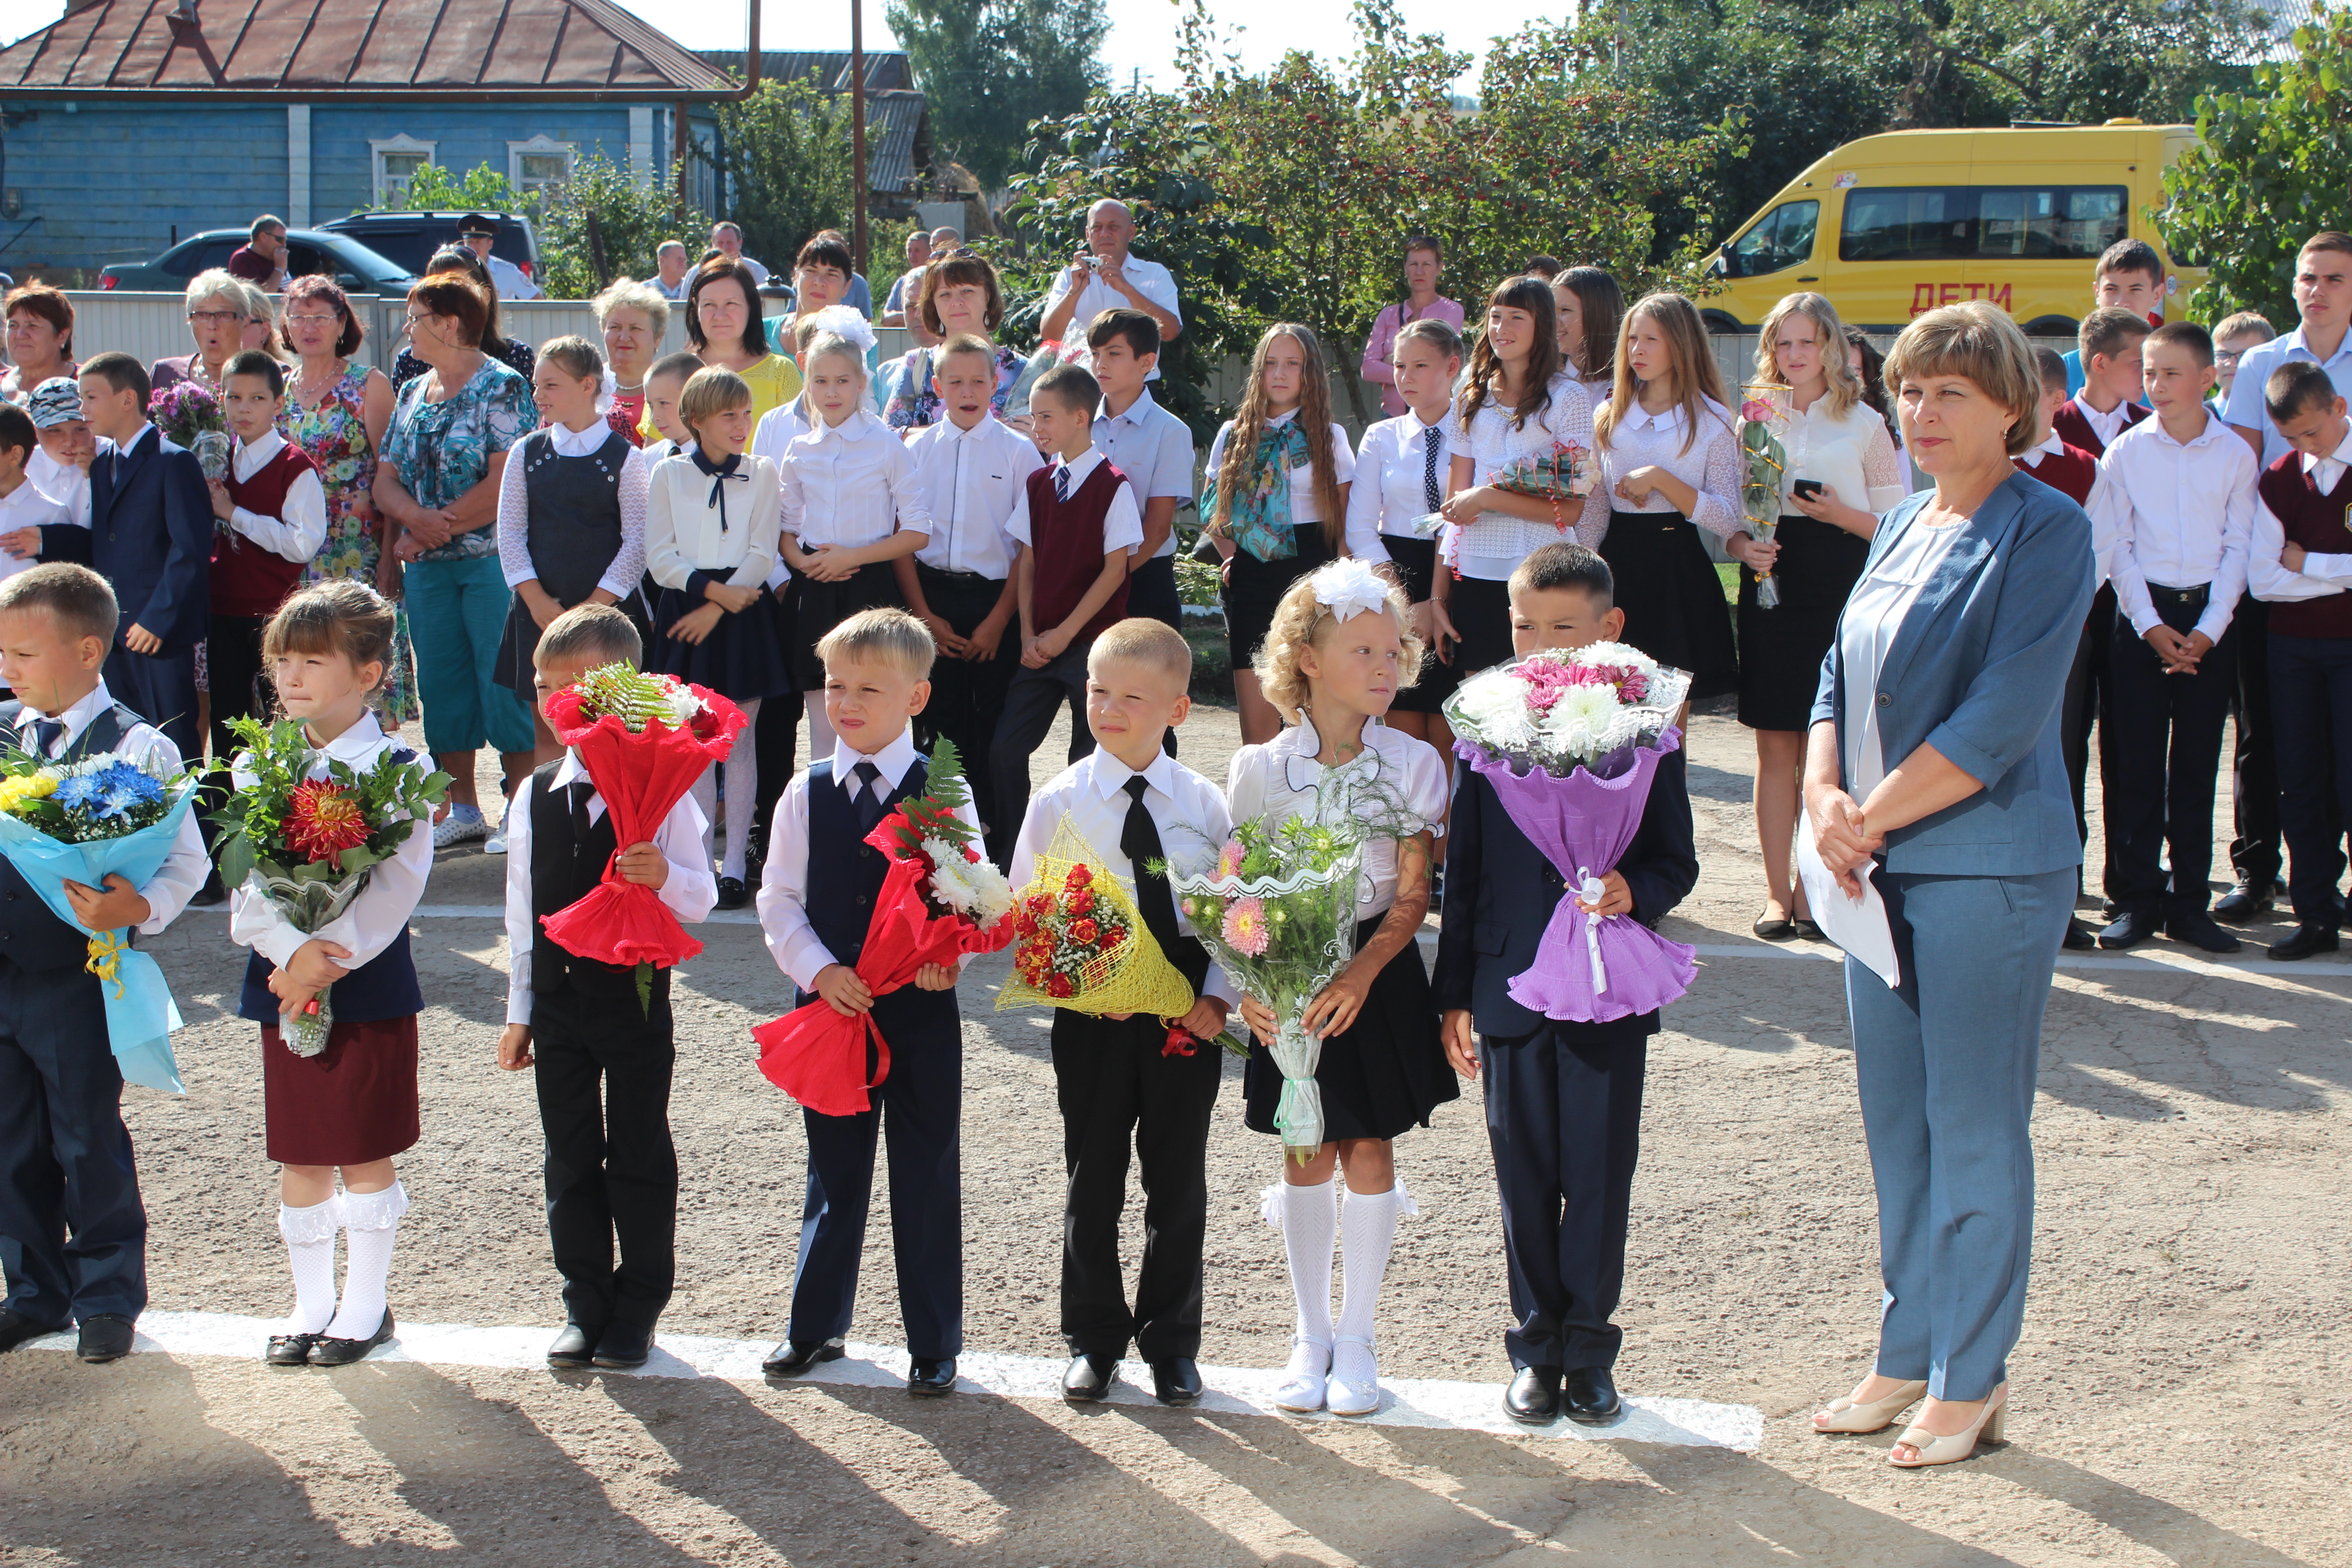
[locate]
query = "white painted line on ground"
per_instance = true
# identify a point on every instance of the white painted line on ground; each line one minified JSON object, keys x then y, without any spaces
{"x":1232,"y":1391}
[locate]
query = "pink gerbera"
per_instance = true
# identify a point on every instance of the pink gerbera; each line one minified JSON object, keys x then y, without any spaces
{"x":1245,"y":927}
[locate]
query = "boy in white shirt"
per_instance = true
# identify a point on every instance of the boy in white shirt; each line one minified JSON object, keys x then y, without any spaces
{"x":23,"y":504}
{"x":2176,"y":513}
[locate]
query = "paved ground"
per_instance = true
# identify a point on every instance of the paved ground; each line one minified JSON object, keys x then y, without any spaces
{"x":2176,"y":1399}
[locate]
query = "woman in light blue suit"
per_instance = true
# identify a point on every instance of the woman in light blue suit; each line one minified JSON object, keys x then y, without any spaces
{"x":1934,"y":769}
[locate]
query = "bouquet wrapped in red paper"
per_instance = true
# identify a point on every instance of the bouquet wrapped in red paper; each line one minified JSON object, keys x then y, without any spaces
{"x":940,"y":900}
{"x":644,"y":739}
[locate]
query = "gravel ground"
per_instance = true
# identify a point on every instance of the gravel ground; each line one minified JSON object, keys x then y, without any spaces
{"x":2174,"y":1401}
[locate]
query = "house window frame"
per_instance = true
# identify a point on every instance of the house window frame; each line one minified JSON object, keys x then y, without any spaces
{"x":539,"y":146}
{"x":402,"y":143}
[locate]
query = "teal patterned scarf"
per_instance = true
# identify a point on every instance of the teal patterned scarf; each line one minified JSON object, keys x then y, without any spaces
{"x":1260,"y":520}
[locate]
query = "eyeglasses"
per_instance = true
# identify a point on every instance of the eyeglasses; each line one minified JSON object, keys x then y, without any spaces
{"x":215,"y":318}
{"x":2227,"y":358}
{"x":314,"y":320}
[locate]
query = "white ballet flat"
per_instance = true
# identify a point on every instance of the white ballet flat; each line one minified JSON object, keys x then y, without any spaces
{"x":1354,"y":1386}
{"x":1845,"y":1416}
{"x":1948,"y":1450}
{"x":1303,"y":1379}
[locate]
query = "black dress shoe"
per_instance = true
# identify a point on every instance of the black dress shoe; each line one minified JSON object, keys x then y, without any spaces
{"x":1176,"y":1380}
{"x":289,"y":1349}
{"x":2196,"y":928}
{"x":1533,"y":1398}
{"x":931,"y":1375}
{"x":2243,"y":902}
{"x":2130,"y":929}
{"x":105,"y":1336}
{"x":574,"y":1349}
{"x":15,"y":1329}
{"x":213,"y":892}
{"x":623,"y":1347}
{"x":1088,"y":1377}
{"x":332,"y":1352}
{"x":2306,"y":941}
{"x":1590,"y":1396}
{"x":790,"y":1359}
{"x":1806,"y":929}
{"x":732,"y":893}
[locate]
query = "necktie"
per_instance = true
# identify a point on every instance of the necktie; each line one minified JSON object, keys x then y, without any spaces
{"x":1139,"y":842}
{"x":1062,"y":482}
{"x":1431,"y":495}
{"x":868,"y":796}
{"x":46,"y":733}
{"x":580,"y":790}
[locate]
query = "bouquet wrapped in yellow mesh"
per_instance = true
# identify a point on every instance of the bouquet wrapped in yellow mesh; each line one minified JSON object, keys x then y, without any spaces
{"x":1081,"y":943}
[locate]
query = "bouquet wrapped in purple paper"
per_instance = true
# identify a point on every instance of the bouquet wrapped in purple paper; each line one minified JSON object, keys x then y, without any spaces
{"x":189,"y":415}
{"x":1569,"y":739}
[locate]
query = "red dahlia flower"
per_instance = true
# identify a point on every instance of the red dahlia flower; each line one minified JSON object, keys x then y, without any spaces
{"x":324,"y":820}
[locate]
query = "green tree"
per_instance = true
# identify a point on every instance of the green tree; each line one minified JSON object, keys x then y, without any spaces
{"x":601,"y":224}
{"x":990,"y":67}
{"x":2268,"y":172}
{"x":433,"y":188}
{"x":783,"y":159}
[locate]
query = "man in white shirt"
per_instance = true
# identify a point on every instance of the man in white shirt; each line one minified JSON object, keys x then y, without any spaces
{"x":670,"y":268}
{"x":908,"y":289}
{"x":512,"y":282}
{"x":2176,"y":518}
{"x":1105,"y":277}
{"x":728,"y":240}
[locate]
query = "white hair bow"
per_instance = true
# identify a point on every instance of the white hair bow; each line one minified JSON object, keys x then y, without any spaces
{"x":1347,"y":587}
{"x":843,"y":321}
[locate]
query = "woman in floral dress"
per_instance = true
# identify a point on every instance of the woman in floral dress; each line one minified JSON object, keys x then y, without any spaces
{"x":336,"y":413}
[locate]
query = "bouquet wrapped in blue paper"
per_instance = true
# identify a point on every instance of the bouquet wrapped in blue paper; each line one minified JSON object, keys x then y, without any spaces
{"x":82,"y":820}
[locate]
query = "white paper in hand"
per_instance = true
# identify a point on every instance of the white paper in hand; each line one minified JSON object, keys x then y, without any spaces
{"x":1857,"y":925}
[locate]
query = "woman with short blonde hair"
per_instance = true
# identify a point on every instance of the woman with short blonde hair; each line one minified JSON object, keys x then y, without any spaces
{"x":633,"y":317}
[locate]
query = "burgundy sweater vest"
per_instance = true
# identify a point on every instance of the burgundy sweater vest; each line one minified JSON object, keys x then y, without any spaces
{"x":249,"y":578}
{"x":2321,"y":524}
{"x":2073,"y":426}
{"x":2071,"y":472}
{"x":1065,"y":544}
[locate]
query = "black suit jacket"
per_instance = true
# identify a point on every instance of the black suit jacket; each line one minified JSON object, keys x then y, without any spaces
{"x":151,"y":535}
{"x":1500,"y":892}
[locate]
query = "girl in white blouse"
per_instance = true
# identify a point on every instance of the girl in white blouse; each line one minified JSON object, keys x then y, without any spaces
{"x":1340,"y":646}
{"x":851,"y":507}
{"x":1841,"y":473}
{"x":710,"y":539}
{"x":1669,"y":465}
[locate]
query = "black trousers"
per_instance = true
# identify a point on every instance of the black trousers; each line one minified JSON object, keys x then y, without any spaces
{"x":2083,"y":704}
{"x":2311,"y":697}
{"x":919,"y":1109}
{"x":775,"y":740}
{"x":2165,"y":741}
{"x":239,"y":690}
{"x":967,"y":695}
{"x":73,"y":1234}
{"x":610,"y":1170}
{"x":2254,"y":780}
{"x":1564,"y":1118}
{"x":160,"y":687}
{"x":1031,"y":701}
{"x":1122,"y":1097}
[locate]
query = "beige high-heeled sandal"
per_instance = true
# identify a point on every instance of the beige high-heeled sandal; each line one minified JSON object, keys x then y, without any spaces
{"x":1948,"y":1450}
{"x":1844,"y":1414}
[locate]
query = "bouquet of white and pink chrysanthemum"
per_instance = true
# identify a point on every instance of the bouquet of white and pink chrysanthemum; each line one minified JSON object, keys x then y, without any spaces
{"x":1562,"y":708}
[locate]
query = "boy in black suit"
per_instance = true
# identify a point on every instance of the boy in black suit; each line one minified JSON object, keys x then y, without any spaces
{"x":1563,"y":1099}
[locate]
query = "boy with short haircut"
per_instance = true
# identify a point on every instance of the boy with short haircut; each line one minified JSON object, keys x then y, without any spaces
{"x":2129,"y":277}
{"x":1126,"y":1084}
{"x":602,"y":1062}
{"x":61,"y":468}
{"x":972,"y":470}
{"x":72,"y":1228}
{"x":1563,"y":1099}
{"x":2301,"y":566}
{"x":23,"y":503}
{"x":1078,"y":526}
{"x":664,"y":384}
{"x":2231,"y":339}
{"x":2177,"y":514}
{"x":816,"y":895}
{"x":2107,"y":402}
{"x":1150,"y":446}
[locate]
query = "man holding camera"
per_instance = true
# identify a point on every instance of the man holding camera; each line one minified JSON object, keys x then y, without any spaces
{"x":1105,"y":276}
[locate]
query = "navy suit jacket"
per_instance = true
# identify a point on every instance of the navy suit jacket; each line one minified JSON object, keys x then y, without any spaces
{"x":1500,"y":892}
{"x":151,"y":535}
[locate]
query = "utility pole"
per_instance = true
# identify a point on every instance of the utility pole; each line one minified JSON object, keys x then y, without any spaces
{"x":857,"y":131}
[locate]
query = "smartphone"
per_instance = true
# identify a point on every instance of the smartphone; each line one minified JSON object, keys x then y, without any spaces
{"x":1809,"y":489}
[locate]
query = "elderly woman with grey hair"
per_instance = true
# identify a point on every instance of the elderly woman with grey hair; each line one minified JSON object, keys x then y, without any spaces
{"x":218,"y":308}
{"x":633,"y":318}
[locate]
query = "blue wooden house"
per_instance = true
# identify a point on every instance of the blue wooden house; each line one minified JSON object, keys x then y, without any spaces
{"x":129,"y":123}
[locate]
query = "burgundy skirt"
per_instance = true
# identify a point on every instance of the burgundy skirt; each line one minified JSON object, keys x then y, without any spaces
{"x":353,"y":1102}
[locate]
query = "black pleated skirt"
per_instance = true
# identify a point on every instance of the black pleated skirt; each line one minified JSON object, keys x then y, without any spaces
{"x":1253,"y":590}
{"x":1781,"y":648}
{"x":744,"y":658}
{"x":817,"y":607}
{"x":1416,"y":562}
{"x":1672,"y":600}
{"x":1385,"y":1075}
{"x":518,"y":646}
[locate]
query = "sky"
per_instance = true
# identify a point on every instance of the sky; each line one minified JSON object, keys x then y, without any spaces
{"x":1142,"y":36}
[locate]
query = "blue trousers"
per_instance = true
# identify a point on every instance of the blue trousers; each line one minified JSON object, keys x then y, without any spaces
{"x":919,"y":1109}
{"x":1946,"y":1065}
{"x":457,"y":614}
{"x":73,"y":1234}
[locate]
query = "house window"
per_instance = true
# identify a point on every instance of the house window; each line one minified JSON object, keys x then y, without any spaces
{"x":395,"y":162}
{"x":535,"y":165}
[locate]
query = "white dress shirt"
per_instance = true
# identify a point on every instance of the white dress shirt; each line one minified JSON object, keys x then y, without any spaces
{"x":300,"y":529}
{"x":620,"y":578}
{"x":683,"y":535}
{"x":511,"y":281}
{"x":30,"y":506}
{"x":68,"y":486}
{"x":1189,"y":811}
{"x":1149,"y":278}
{"x":2321,"y":574}
{"x":1391,"y":488}
{"x":1283,"y":779}
{"x":1493,"y":546}
{"x":970,"y":481}
{"x":851,"y":484}
{"x":185,"y":865}
{"x":777,"y":429}
{"x":1122,"y":521}
{"x":690,"y":891}
{"x":783,"y":902}
{"x":2106,"y":424}
{"x":2177,"y":516}
{"x":1304,"y":508}
{"x":1851,"y":454}
{"x":1711,"y":466}
{"x":372,"y":920}
{"x":1154,"y":449}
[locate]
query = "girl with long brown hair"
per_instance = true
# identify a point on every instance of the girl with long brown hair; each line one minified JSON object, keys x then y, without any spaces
{"x":1591,"y":308}
{"x":1278,"y":501}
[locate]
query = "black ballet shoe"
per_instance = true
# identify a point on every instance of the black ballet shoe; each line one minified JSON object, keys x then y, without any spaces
{"x":289,"y":1349}
{"x":331,"y":1352}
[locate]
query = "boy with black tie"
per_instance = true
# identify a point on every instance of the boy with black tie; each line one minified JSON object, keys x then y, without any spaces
{"x":1563,"y":1099}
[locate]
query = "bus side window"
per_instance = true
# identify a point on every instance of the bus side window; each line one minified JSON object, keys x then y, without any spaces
{"x":1782,"y":238}
{"x":2050,"y":223}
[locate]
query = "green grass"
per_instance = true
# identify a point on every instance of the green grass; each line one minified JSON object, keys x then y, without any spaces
{"x":1729,"y":572}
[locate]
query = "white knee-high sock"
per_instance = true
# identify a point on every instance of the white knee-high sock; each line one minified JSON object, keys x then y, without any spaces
{"x":706,"y":800}
{"x":1367,"y":1229}
{"x":309,"y":1236}
{"x":1309,"y":1220}
{"x":370,"y":1224}
{"x":742,"y":789}
{"x":821,"y":735}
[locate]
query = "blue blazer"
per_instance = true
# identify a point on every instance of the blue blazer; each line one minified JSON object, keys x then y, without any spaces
{"x":151,"y":535}
{"x":1977,"y":671}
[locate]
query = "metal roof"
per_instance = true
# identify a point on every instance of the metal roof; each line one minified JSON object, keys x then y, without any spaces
{"x":346,"y":49}
{"x":897,"y":147}
{"x":886,"y":70}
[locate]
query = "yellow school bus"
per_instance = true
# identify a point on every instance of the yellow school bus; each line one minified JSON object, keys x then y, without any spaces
{"x":1893,"y":226}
